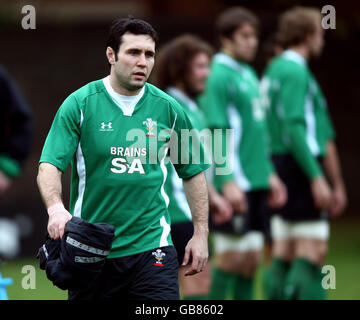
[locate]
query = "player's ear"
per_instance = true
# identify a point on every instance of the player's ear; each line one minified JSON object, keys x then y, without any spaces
{"x":110,"y":54}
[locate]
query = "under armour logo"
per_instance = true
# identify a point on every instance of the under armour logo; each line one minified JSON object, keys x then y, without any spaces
{"x":106,"y":126}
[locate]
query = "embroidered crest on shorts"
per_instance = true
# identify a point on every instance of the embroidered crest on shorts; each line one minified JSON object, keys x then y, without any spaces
{"x":159,"y":257}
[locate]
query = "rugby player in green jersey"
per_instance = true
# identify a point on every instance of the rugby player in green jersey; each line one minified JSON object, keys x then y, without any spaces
{"x":181,"y":70}
{"x":232,"y":101}
{"x":303,"y":152}
{"x":116,"y":132}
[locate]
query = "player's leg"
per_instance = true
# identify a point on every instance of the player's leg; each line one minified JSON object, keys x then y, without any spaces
{"x":221,"y":278}
{"x":196,"y":286}
{"x":155,"y":275}
{"x":256,"y":225}
{"x":236,"y":260}
{"x":282,"y":255}
{"x":305,"y":277}
{"x":244,"y":281}
{"x":240,"y":256}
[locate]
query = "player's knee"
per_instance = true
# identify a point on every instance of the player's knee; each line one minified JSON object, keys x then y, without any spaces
{"x":283,"y":250}
{"x":253,"y":259}
{"x":247,"y":263}
{"x":322,"y":250}
{"x":312,"y":249}
{"x":233,"y":262}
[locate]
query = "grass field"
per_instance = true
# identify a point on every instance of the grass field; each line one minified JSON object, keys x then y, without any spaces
{"x":343,"y":255}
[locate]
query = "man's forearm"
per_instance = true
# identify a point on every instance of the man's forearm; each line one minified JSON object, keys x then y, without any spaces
{"x":196,"y":191}
{"x":332,"y":165}
{"x":49,"y":183}
{"x":301,"y":152}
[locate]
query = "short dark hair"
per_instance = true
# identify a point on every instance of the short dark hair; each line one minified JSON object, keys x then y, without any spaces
{"x":135,"y":26}
{"x":296,"y":24}
{"x":233,"y":18}
{"x":174,"y":58}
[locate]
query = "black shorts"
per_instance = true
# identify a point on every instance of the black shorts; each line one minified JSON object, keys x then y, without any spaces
{"x":300,"y":205}
{"x":181,"y":233}
{"x":255,"y":219}
{"x":149,"y":275}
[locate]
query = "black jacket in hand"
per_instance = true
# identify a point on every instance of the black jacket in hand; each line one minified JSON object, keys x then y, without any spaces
{"x":77,"y":259}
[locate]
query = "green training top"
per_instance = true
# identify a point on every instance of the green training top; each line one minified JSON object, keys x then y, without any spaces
{"x":232,"y":101}
{"x":298,"y":118}
{"x":178,"y":206}
{"x":118,"y":162}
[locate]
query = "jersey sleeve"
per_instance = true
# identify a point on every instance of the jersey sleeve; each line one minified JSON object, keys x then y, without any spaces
{"x":215,"y":101}
{"x":64,"y":135}
{"x":214,"y":104}
{"x":326,"y":122}
{"x":186,"y":149}
{"x":270,"y":169}
{"x":292,"y":98}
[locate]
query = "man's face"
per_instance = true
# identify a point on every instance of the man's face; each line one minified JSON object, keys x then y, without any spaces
{"x":244,"y":43}
{"x":198,"y":72}
{"x":316,"y":41}
{"x":135,"y":60}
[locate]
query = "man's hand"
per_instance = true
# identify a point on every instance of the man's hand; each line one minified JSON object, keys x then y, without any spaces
{"x":333,"y":171}
{"x":5,"y":183}
{"x":235,"y":196}
{"x":321,"y":193}
{"x":196,"y":191}
{"x":197,"y":248}
{"x":278,"y":192}
{"x":338,"y":201}
{"x":58,"y":217}
{"x":220,"y":208}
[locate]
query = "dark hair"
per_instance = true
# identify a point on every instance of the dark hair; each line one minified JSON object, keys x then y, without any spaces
{"x":296,"y":24}
{"x":132,"y":25}
{"x":233,"y":18}
{"x":174,"y":58}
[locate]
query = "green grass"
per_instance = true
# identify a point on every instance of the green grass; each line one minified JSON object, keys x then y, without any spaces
{"x":343,"y":255}
{"x":44,"y":289}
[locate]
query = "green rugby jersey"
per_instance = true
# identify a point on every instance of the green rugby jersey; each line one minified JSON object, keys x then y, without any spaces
{"x":232,"y":101}
{"x":178,"y":206}
{"x":116,"y":175}
{"x":297,"y":114}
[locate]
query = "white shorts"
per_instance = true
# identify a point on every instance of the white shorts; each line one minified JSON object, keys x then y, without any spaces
{"x":284,"y":230}
{"x":250,"y":241}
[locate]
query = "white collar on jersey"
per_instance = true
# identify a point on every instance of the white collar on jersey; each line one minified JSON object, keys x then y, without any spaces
{"x":236,"y":65}
{"x":294,"y":56}
{"x":125,"y":103}
{"x":182,"y":96}
{"x":225,"y":59}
